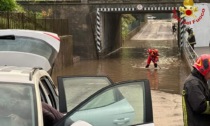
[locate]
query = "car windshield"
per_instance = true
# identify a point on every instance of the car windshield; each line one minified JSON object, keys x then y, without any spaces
{"x":31,"y":45}
{"x":17,"y":105}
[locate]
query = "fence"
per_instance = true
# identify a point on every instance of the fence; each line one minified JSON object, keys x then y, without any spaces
{"x":107,"y":1}
{"x":15,"y":20}
{"x":117,"y":1}
{"x":114,"y":1}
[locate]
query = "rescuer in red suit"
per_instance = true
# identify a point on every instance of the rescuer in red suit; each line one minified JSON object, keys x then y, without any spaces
{"x":153,"y":56}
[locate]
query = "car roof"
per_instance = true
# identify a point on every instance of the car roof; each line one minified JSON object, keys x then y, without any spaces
{"x":16,"y":74}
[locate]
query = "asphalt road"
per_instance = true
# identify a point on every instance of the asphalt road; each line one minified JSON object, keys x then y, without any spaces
{"x":155,"y":30}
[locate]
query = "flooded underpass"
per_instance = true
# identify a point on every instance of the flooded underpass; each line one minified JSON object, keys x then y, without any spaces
{"x":165,"y":83}
{"x":129,"y":64}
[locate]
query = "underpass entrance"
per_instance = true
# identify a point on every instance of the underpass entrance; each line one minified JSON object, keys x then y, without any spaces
{"x":128,"y":58}
{"x":109,"y":28}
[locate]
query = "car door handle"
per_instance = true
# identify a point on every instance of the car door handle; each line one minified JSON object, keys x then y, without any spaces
{"x":121,"y":121}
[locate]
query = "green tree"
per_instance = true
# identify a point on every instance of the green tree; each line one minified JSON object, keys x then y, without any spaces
{"x":10,"y":5}
{"x":126,"y":20}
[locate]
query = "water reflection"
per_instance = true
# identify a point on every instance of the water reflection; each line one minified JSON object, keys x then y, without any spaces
{"x":129,"y":63}
{"x":152,"y":76}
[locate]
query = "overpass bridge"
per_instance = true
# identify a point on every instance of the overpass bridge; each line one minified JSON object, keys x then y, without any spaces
{"x":96,"y":25}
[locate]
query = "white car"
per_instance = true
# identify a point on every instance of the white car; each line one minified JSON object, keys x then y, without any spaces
{"x":25,"y":58}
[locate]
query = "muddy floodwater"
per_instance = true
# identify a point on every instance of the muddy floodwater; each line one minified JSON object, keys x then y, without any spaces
{"x":128,"y":64}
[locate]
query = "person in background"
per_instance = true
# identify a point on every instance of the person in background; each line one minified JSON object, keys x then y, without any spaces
{"x":173,"y":28}
{"x":196,"y":94}
{"x":191,"y":37}
{"x":153,"y":56}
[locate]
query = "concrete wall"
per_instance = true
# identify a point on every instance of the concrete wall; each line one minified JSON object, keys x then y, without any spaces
{"x":112,"y":32}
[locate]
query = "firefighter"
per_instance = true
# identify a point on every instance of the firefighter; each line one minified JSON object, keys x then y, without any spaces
{"x":196,"y":94}
{"x":153,"y":56}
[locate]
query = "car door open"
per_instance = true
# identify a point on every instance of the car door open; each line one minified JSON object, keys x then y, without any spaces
{"x":74,"y":89}
{"x":122,"y":104}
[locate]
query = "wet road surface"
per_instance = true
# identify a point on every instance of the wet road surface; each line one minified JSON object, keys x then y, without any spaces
{"x":155,"y":30}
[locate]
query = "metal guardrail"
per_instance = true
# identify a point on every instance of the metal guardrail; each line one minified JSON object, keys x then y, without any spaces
{"x":190,"y":53}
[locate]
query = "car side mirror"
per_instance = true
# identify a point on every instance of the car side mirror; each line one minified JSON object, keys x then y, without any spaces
{"x":81,"y":123}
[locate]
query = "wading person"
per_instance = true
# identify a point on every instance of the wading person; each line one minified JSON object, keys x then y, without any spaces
{"x":196,"y":94}
{"x":152,"y":56}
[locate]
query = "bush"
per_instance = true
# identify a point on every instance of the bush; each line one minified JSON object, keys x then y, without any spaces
{"x":10,"y":5}
{"x":126,"y":20}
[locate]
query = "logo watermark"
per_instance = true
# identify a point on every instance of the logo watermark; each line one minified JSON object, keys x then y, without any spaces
{"x":188,"y":10}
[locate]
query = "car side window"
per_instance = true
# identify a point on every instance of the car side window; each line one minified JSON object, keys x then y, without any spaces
{"x":74,"y":89}
{"x":127,"y":111}
{"x":110,"y":97}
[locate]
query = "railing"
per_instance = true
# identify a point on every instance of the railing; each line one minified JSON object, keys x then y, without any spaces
{"x":190,"y":53}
